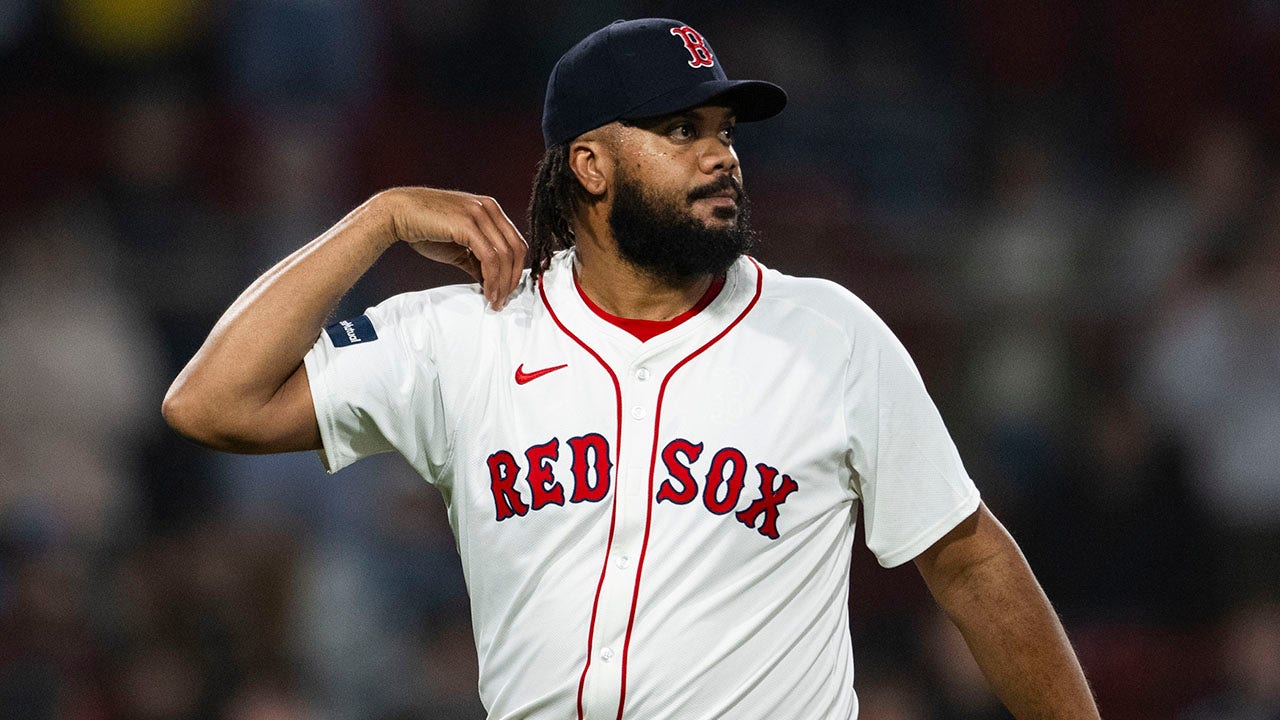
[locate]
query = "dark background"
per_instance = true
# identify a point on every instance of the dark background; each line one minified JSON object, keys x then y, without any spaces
{"x":1068,"y":211}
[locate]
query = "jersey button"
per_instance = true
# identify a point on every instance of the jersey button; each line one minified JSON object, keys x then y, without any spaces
{"x":623,"y":562}
{"x":637,"y":412}
{"x":606,"y":654}
{"x":642,"y":374}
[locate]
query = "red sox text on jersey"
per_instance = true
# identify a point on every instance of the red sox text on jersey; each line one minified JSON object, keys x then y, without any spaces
{"x":723,"y":482}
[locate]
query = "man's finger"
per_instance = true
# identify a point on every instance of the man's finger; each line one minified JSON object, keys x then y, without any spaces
{"x":492,"y":266}
{"x":502,"y":255}
{"x":471,"y":266}
{"x":515,"y":242}
{"x":509,"y":250}
{"x":468,"y":263}
{"x":519,"y":246}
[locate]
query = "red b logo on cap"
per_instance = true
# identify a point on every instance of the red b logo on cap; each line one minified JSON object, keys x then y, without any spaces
{"x":696,"y":46}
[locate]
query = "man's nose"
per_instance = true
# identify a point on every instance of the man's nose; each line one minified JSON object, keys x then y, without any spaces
{"x":718,"y":157}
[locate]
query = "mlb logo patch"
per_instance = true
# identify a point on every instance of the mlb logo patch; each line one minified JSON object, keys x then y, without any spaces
{"x":351,"y":332}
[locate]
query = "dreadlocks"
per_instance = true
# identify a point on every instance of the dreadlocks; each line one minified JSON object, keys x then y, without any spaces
{"x":555,"y":191}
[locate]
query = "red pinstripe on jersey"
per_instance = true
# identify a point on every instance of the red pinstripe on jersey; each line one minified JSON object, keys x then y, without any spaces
{"x":644,"y":546}
{"x":613,"y":512}
{"x":653,"y":459}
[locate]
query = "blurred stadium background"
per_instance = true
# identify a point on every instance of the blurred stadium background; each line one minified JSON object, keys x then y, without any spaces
{"x":1069,"y":211}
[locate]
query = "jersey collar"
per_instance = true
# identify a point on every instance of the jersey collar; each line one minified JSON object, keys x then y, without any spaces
{"x":741,"y":286}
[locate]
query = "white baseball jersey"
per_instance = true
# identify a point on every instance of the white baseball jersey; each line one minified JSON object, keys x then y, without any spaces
{"x":655,"y":529}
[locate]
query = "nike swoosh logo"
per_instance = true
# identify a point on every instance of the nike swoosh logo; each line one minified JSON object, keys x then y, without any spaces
{"x":523,"y":377}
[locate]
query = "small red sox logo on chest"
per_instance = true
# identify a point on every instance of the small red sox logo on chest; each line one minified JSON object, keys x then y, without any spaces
{"x":718,"y":479}
{"x":696,"y":46}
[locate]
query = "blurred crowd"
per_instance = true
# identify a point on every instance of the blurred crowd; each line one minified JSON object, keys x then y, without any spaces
{"x":1068,"y":211}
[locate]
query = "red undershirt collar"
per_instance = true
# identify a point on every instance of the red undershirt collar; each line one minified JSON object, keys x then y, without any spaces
{"x":645,"y":329}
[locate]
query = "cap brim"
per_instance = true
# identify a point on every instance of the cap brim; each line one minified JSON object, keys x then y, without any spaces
{"x":750,"y":99}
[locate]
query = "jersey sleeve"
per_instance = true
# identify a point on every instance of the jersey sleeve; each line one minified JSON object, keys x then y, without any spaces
{"x":375,"y":385}
{"x":907,"y":471}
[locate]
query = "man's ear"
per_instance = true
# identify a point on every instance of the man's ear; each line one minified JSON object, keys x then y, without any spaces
{"x":591,"y":158}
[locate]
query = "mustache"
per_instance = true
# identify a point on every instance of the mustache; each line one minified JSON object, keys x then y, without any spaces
{"x":724,"y":182}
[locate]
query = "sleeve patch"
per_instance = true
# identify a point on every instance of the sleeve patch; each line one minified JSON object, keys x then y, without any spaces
{"x":351,"y":332}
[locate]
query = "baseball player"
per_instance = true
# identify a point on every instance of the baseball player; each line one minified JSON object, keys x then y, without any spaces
{"x":652,"y":448}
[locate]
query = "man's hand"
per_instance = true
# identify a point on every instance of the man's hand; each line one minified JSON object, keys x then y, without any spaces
{"x":468,"y":231}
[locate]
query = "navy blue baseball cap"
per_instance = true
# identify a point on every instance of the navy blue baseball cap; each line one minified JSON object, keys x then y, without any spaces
{"x":634,"y":69}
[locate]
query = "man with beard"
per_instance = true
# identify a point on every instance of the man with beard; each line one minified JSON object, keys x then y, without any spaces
{"x":652,"y":448}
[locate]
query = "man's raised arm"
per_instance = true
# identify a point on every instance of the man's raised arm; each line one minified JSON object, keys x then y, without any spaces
{"x":246,"y":389}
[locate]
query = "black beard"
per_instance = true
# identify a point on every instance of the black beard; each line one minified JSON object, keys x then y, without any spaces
{"x":667,"y":241}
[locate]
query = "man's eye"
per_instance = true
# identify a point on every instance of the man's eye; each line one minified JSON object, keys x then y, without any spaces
{"x":683,"y":131}
{"x":728,"y":133}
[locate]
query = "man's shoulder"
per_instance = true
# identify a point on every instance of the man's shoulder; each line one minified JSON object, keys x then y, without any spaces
{"x":420,"y":303}
{"x":819,"y":296}
{"x":449,"y":303}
